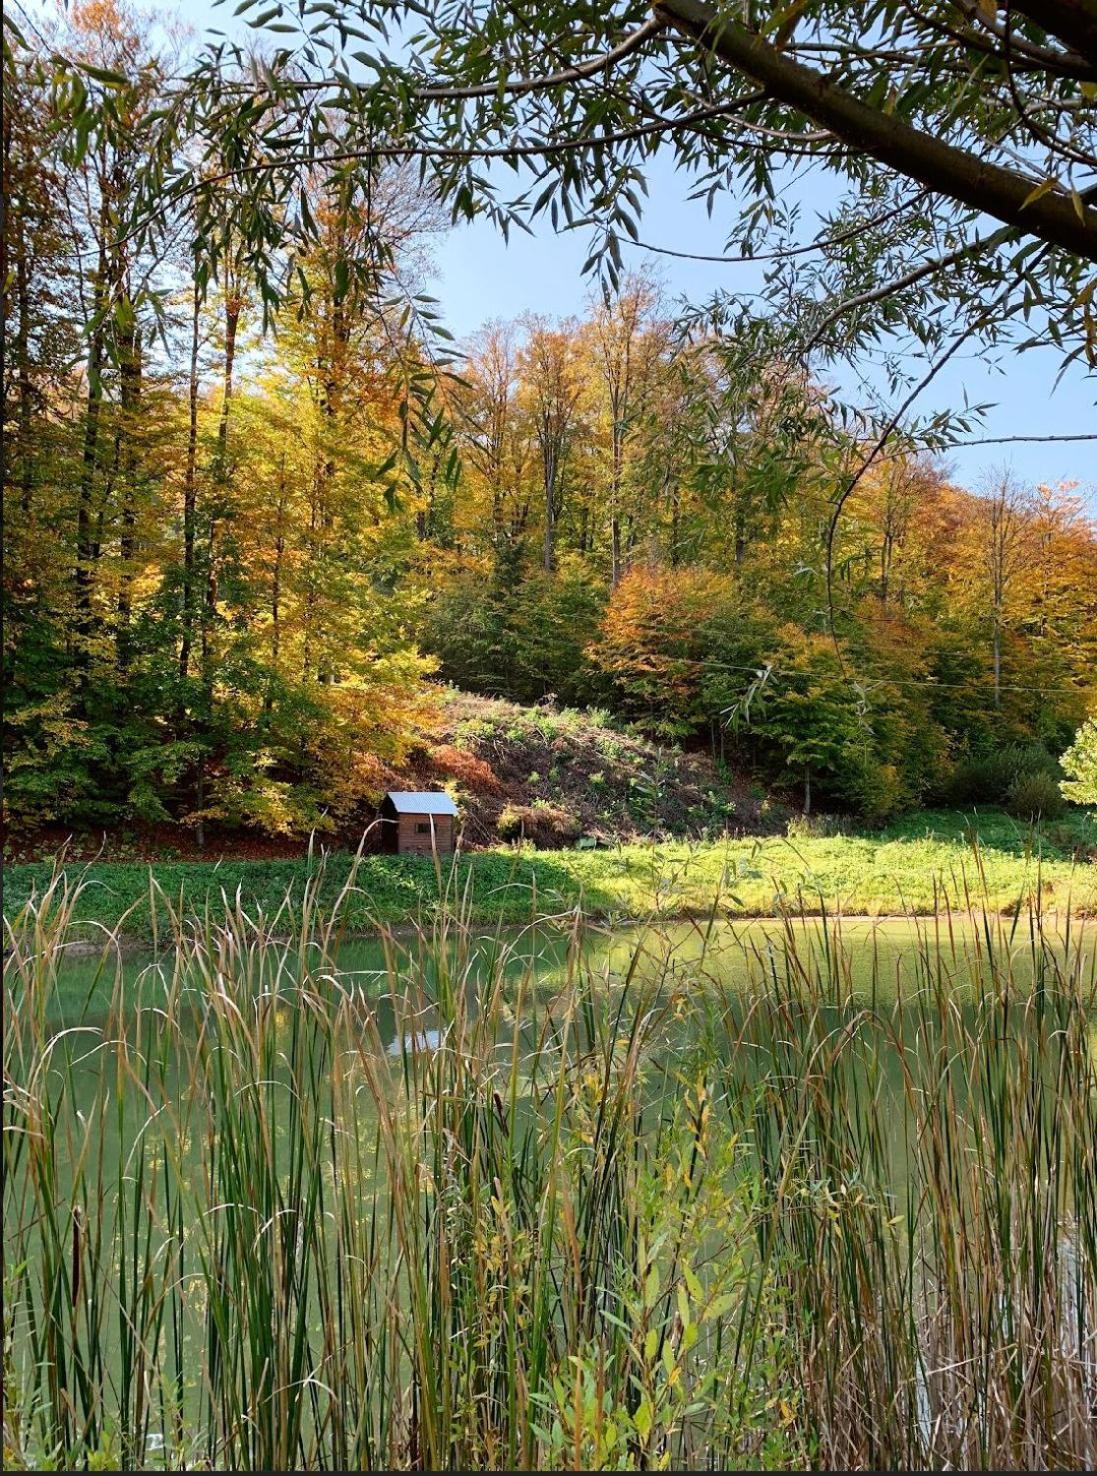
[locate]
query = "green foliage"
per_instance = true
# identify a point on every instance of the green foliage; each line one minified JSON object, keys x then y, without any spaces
{"x":989,"y":776}
{"x":520,"y":633}
{"x":1080,"y":766}
{"x":896,"y":193}
{"x":1034,"y":797}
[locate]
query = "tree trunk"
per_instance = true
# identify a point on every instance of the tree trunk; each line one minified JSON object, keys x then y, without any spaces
{"x":740,"y":533}
{"x":233,"y":304}
{"x":130,"y":397}
{"x":85,"y":544}
{"x":22,"y":364}
{"x":190,"y":496}
{"x":550,"y":516}
{"x":276,"y":588}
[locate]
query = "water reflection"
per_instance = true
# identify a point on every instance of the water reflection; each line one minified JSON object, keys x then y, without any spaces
{"x":415,"y":1040}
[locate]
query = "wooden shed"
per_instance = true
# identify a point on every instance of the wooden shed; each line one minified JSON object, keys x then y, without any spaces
{"x":417,"y":823}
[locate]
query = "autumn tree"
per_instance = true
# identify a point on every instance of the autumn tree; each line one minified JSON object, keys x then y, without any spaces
{"x":552,"y":381}
{"x":629,"y":347}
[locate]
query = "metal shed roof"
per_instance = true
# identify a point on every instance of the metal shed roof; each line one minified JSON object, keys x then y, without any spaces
{"x":421,"y":802}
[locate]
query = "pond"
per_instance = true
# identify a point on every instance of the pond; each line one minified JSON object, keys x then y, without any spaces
{"x":871,"y":958}
{"x":270,"y":1141}
{"x":699,"y":983}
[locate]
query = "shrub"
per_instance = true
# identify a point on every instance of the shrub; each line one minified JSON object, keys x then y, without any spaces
{"x":1080,"y":766}
{"x":816,"y":827}
{"x":547,"y":826}
{"x":1034,"y":797}
{"x":990,"y":776}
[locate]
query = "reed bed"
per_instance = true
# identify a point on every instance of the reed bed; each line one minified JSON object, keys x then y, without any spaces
{"x":628,"y":1219}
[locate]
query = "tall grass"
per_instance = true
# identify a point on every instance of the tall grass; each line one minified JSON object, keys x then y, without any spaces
{"x":575,"y":1222}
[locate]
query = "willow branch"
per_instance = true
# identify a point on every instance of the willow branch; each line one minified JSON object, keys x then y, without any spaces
{"x":909,"y":279}
{"x":1053,"y":216}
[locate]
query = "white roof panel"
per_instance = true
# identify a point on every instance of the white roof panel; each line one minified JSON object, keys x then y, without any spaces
{"x":421,"y":802}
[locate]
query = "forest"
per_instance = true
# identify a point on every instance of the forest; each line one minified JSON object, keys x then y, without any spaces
{"x":707,"y":1079}
{"x":248,"y":540}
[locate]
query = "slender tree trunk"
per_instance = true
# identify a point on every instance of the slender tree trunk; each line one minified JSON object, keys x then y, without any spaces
{"x":276,"y":587}
{"x":190,"y":496}
{"x":85,"y":543}
{"x":221,"y":468}
{"x":885,"y":568}
{"x":22,"y":364}
{"x":550,"y":514}
{"x":616,"y":563}
{"x":233,"y":304}
{"x":740,"y":533}
{"x":130,"y":397}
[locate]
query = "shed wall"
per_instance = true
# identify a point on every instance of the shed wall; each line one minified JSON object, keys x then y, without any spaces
{"x":413,"y":842}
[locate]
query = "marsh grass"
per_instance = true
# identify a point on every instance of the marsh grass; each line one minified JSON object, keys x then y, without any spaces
{"x":637,"y":1220}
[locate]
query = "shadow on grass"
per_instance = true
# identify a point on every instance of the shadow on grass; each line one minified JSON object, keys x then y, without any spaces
{"x":363,"y":892}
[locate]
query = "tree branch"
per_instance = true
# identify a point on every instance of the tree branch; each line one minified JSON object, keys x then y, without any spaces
{"x":1061,"y":63}
{"x":1053,"y":217}
{"x":632,"y":42}
{"x":909,"y":279}
{"x":1073,"y":22}
{"x":821,"y":243}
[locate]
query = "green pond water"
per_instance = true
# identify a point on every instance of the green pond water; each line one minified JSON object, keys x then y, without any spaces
{"x":885,"y":959}
{"x":888,"y":968}
{"x":884,"y":970}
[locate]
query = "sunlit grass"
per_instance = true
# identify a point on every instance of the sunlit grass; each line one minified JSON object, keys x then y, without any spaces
{"x":870,"y":875}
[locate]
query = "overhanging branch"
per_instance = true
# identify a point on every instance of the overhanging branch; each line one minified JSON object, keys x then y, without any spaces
{"x":1053,"y":217}
{"x":1073,"y":22}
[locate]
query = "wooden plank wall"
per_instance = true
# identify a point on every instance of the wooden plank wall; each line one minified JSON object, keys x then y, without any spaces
{"x":414,"y":844}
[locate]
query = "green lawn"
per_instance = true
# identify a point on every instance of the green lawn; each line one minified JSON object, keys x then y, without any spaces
{"x":901,"y":869}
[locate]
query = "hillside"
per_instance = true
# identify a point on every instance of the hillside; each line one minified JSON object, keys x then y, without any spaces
{"x":553,"y":775}
{"x":550,"y":775}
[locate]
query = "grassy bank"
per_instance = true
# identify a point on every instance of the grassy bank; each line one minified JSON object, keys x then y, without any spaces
{"x":906,"y":869}
{"x":635,"y":1225}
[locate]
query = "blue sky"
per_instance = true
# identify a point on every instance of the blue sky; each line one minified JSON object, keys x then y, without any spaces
{"x":480,"y":276}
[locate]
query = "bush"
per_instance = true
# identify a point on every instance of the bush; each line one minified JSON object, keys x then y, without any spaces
{"x":1035,"y":797}
{"x":546,"y":826}
{"x":990,"y":776}
{"x":816,"y":827}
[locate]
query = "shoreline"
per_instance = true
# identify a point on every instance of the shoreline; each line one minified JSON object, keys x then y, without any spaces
{"x":128,"y":944}
{"x":925,"y":869}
